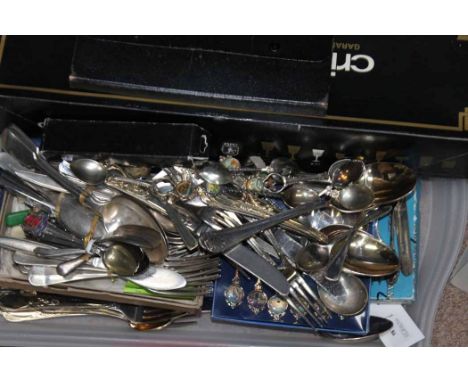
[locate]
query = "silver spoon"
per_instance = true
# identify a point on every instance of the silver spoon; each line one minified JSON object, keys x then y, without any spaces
{"x":341,"y":173}
{"x":377,"y":326}
{"x":352,"y":198}
{"x":133,"y":236}
{"x":311,"y":258}
{"x":343,"y":293}
{"x":341,"y":247}
{"x":154,"y":278}
{"x":153,"y":201}
{"x":123,"y":259}
{"x":89,"y":171}
{"x":347,"y":296}
{"x":123,"y":211}
{"x":215,"y":173}
{"x":367,"y":256}
{"x":392,"y":183}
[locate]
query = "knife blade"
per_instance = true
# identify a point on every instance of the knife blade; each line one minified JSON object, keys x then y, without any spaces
{"x":257,"y":266}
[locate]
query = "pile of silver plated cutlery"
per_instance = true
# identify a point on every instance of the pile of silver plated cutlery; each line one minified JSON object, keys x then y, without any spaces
{"x":163,"y":229}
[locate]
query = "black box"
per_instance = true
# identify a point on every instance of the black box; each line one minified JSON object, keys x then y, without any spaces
{"x":251,"y":72}
{"x":409,"y":106}
{"x":163,"y":143}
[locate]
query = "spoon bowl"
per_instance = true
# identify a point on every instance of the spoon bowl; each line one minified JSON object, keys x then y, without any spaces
{"x":354,"y":198}
{"x":215,"y":173}
{"x":299,"y":193}
{"x":312,"y":258}
{"x":89,"y":171}
{"x":345,"y":171}
{"x":348,"y":296}
{"x":124,"y":259}
{"x":122,"y":211}
{"x":389,"y":182}
{"x":366,"y":256}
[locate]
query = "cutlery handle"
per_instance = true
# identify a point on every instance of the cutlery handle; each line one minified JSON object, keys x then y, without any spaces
{"x":187,"y":236}
{"x":277,"y":183}
{"x":403,"y":235}
{"x":42,"y":276}
{"x":46,"y":252}
{"x":68,"y":266}
{"x":72,"y":188}
{"x":24,"y":149}
{"x":226,"y":239}
{"x":15,"y":185}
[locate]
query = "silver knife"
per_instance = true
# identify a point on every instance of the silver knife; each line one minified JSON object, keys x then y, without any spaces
{"x":14,"y":244}
{"x":254,"y":264}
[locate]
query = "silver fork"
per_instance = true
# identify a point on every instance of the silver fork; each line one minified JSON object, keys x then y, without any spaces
{"x":301,"y":290}
{"x":50,"y":307}
{"x":159,"y":323}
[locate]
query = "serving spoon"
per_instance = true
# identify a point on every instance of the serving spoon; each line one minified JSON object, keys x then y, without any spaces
{"x":120,"y":258}
{"x":123,"y":211}
{"x":343,"y":293}
{"x":154,"y":278}
{"x":350,"y":199}
{"x":341,"y":173}
{"x":366,"y":256}
{"x":392,"y":183}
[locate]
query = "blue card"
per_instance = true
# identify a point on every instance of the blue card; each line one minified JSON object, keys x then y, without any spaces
{"x":243,"y":315}
{"x":401,"y":288}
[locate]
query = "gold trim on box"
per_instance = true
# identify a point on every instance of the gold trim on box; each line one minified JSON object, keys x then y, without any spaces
{"x":462,"y":125}
{"x":463,"y":119}
{"x":462,"y":38}
{"x":2,"y":47}
{"x":393,"y":123}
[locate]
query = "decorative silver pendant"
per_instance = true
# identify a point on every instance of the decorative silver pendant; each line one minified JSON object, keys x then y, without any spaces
{"x":234,"y":293}
{"x":257,"y":299}
{"x":277,"y":307}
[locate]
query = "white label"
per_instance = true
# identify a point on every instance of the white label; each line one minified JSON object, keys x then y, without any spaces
{"x":404,"y":331}
{"x":359,"y":63}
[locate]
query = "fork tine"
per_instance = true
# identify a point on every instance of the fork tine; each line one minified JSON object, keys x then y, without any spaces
{"x":147,"y":316}
{"x":311,"y":303}
{"x":298,"y":311}
{"x":204,"y":278}
{"x":293,"y":293}
{"x":194,"y":266}
{"x":312,"y":294}
{"x":198,"y":272}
